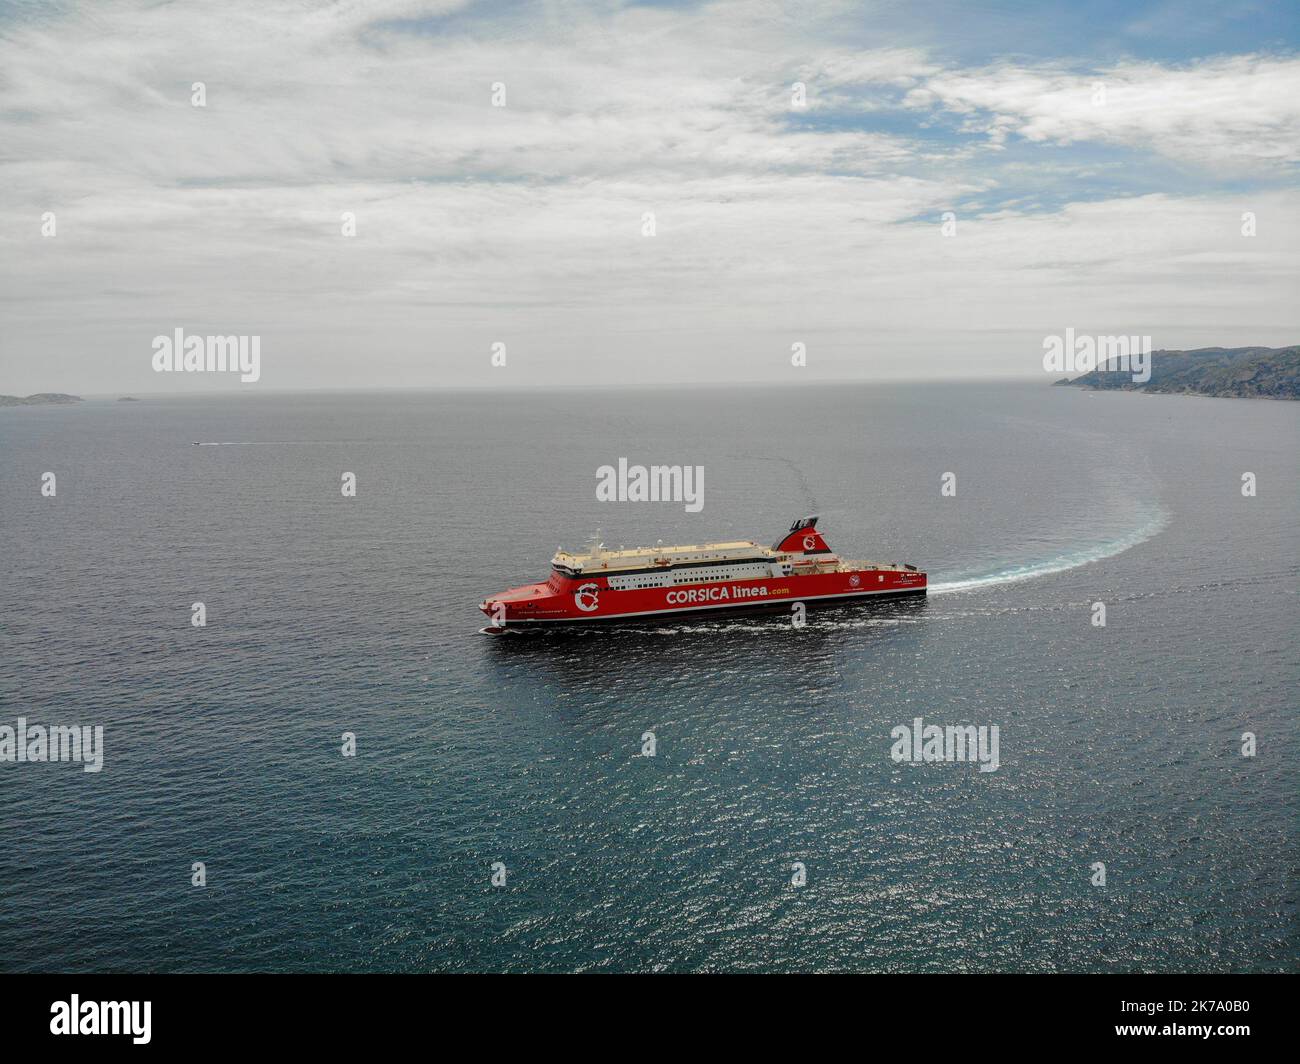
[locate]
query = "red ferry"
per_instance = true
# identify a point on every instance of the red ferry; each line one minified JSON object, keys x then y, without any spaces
{"x":611,"y":585}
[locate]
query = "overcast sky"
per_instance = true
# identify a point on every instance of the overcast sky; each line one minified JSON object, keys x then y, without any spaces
{"x":774,"y":223}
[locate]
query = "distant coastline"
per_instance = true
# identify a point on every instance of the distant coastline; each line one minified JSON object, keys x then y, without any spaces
{"x":1222,"y":372}
{"x":39,"y":399}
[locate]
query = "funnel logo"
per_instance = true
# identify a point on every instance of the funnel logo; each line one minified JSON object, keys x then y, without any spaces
{"x":585,"y":598}
{"x":809,"y":542}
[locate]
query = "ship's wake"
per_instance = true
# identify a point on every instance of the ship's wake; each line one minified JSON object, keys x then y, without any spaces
{"x":1011,"y":574}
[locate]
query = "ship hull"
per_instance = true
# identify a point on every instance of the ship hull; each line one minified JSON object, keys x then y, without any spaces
{"x":593,"y":601}
{"x":696,"y":613}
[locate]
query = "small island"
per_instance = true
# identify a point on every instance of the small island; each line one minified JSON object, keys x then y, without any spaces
{"x":127,"y":399}
{"x":1225,"y":372}
{"x":39,"y":399}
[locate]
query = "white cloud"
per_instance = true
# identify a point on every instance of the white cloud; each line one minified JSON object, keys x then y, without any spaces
{"x":1233,"y":112}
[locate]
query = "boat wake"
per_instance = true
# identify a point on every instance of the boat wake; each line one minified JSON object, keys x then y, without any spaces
{"x":1060,"y":563}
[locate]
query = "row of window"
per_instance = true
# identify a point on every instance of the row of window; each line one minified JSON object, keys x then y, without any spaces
{"x":691,"y":576}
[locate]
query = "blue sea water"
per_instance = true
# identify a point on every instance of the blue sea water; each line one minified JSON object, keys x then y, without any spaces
{"x":328,"y":614}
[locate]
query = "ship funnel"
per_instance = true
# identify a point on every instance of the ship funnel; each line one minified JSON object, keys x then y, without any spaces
{"x":803,"y":538}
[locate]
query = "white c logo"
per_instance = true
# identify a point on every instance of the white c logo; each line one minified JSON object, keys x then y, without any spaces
{"x":809,"y":542}
{"x":585,"y":598}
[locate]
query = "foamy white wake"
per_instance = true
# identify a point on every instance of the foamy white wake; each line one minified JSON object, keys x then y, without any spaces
{"x":1059,"y":564}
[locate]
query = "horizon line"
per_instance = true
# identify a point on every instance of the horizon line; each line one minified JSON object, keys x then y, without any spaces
{"x":547,"y":387}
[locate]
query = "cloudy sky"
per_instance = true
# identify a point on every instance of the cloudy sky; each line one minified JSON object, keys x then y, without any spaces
{"x":1098,"y":156}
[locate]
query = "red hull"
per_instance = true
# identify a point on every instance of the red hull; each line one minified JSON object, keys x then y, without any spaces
{"x":590,"y":598}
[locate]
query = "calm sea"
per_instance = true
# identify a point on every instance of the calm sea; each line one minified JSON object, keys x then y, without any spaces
{"x":325,"y":614}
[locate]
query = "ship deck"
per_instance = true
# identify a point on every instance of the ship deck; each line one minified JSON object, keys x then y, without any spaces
{"x":649,"y":557}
